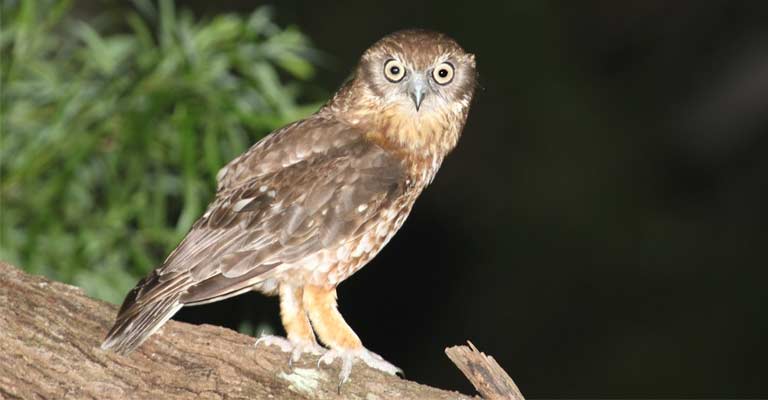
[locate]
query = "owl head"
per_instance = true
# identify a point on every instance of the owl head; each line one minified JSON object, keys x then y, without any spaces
{"x":418,"y":71}
{"x":411,"y":91}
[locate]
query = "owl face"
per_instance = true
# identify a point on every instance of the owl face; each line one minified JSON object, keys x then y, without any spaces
{"x":410,"y":93}
{"x":419,"y":73}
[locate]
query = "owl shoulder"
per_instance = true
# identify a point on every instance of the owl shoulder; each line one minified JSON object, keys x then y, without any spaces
{"x":315,"y":136}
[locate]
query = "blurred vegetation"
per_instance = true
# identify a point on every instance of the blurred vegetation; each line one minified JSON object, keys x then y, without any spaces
{"x":111,"y":139}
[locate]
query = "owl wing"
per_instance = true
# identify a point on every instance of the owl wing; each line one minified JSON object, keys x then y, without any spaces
{"x":269,"y":211}
{"x":282,"y":217}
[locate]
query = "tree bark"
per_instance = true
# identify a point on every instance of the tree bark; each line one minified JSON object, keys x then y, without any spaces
{"x":49,"y":349}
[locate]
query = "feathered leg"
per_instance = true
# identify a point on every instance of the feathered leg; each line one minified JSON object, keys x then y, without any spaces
{"x":293,"y":315}
{"x":333,"y":331}
{"x":301,"y":338}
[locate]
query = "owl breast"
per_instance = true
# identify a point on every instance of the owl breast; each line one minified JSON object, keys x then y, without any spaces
{"x":351,"y":256}
{"x":331,"y":266}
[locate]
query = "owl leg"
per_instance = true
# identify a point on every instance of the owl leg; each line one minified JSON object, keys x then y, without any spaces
{"x":301,"y":338}
{"x":334,"y":332}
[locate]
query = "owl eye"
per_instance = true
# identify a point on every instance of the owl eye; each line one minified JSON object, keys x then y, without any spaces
{"x":443,"y":73}
{"x":394,"y":71}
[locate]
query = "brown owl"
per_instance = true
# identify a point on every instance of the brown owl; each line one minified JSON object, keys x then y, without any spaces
{"x":314,"y":201}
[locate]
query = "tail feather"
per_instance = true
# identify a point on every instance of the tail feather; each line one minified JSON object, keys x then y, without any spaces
{"x":142,"y":314}
{"x":132,"y":330}
{"x":156,"y":298}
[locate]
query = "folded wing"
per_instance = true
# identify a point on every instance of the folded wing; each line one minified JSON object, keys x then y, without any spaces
{"x":326,"y":190}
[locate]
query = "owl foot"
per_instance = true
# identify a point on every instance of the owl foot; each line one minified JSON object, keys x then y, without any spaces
{"x":350,"y":356}
{"x":296,"y":348}
{"x":269,"y":340}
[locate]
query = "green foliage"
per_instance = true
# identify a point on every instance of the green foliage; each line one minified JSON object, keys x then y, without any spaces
{"x":111,"y":141}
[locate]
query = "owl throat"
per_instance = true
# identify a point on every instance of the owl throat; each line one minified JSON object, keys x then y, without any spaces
{"x":423,"y":137}
{"x":431,"y":133}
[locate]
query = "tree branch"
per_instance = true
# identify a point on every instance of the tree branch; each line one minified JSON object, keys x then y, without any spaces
{"x":484,"y":372}
{"x":49,"y":348}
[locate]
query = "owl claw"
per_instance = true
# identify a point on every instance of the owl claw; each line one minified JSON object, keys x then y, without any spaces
{"x":300,"y":348}
{"x":269,"y":340}
{"x":296,"y":348}
{"x":349,"y":356}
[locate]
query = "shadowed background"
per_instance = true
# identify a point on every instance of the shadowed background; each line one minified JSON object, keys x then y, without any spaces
{"x":602,"y":227}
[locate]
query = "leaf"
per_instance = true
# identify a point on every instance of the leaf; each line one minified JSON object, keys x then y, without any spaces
{"x":111,"y":140}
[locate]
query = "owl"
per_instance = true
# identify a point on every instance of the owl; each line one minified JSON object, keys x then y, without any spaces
{"x":313,"y":202}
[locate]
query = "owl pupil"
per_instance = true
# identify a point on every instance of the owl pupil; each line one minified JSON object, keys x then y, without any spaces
{"x":442,"y":73}
{"x":394,"y":70}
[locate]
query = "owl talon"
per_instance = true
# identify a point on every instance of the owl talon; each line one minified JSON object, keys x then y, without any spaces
{"x":300,"y":348}
{"x":349,"y":356}
{"x":296,"y":348}
{"x":269,"y":340}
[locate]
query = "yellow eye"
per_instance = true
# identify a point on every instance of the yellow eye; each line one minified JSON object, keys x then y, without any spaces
{"x":394,"y":71}
{"x":443,"y":73}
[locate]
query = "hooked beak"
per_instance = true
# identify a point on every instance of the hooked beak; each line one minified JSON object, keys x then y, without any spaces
{"x":417,"y":90}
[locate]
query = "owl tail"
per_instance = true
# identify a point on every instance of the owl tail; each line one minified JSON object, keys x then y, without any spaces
{"x":131,"y":331}
{"x":137,"y":320}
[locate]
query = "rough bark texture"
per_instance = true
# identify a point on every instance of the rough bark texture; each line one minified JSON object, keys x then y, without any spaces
{"x":484,"y":372}
{"x":49,"y":349}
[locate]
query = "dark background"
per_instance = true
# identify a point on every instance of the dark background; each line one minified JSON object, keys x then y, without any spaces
{"x":601,"y":228}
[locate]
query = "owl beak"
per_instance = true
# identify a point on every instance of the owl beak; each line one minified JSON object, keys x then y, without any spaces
{"x":417,"y":90}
